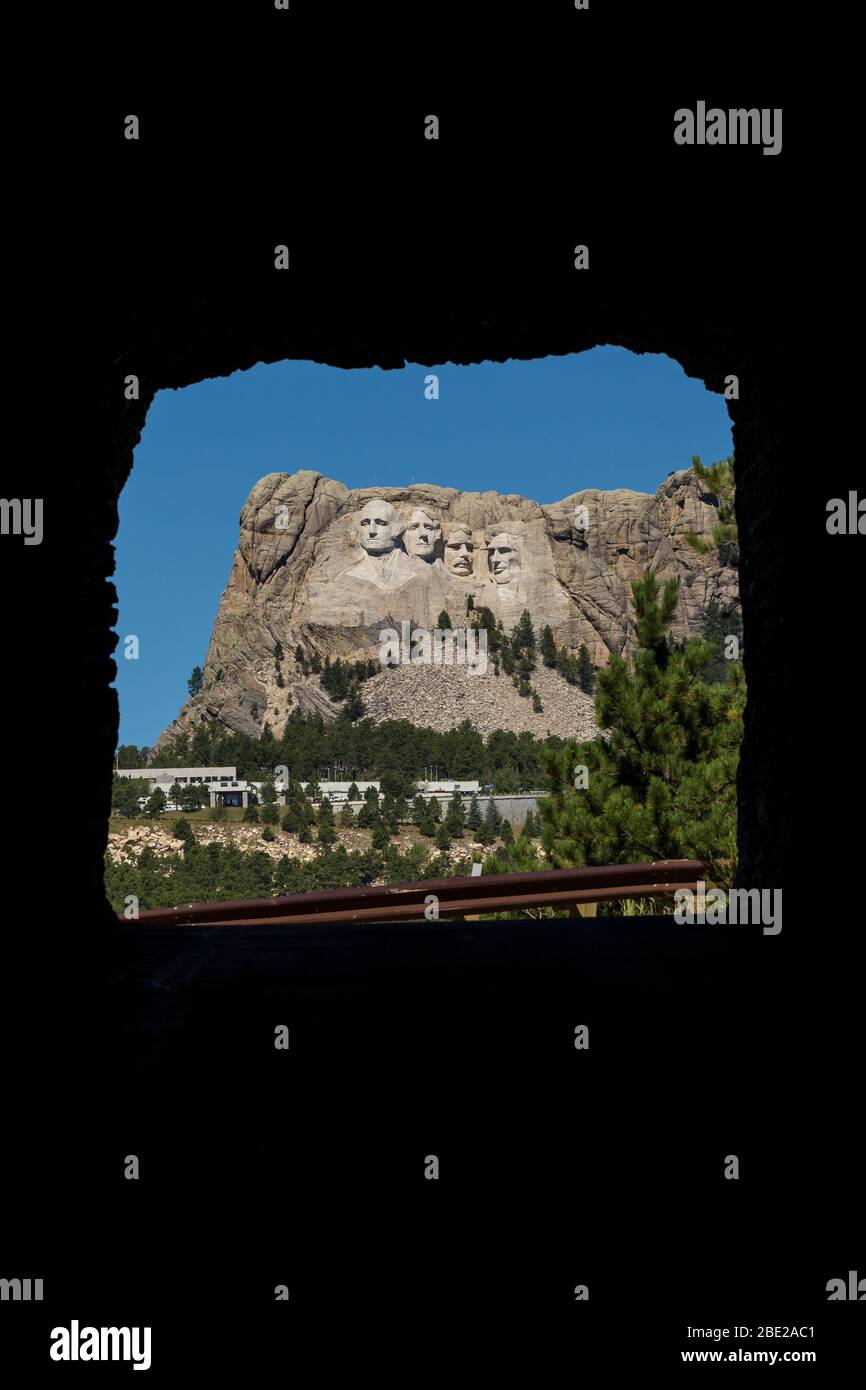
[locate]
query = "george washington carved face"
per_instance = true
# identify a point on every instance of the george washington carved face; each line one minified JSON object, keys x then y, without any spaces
{"x":460,"y":552}
{"x":378,"y":526}
{"x":422,"y":534}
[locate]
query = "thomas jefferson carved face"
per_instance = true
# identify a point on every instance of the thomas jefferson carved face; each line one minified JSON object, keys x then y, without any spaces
{"x":503,"y":554}
{"x":422,"y":534}
{"x":459,"y":552}
{"x":378,"y":526}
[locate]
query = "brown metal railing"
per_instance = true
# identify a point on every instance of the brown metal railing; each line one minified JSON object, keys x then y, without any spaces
{"x":457,"y":897}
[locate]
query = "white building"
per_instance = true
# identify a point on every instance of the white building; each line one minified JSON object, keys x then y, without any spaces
{"x":227,"y":789}
{"x":223,"y":783}
{"x":340,"y":790}
{"x":448,"y":788}
{"x":183,"y":775}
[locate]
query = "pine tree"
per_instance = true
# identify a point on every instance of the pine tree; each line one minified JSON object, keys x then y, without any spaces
{"x":182,"y":830}
{"x":506,"y":833}
{"x":524,"y":665}
{"x":548,"y":646}
{"x":129,"y":755}
{"x":663,"y":785}
{"x":492,"y":819}
{"x":155,"y":804}
{"x":585,"y":672}
{"x":455,"y":818}
{"x":721,"y":623}
{"x":443,"y":622}
{"x":718,"y":481}
{"x":443,"y":839}
{"x":523,"y":643}
{"x":197,"y":797}
{"x":381,"y":836}
{"x":340,"y":681}
{"x":125,"y":792}
{"x":195,"y":684}
{"x":496,"y":639}
{"x":520,"y":856}
{"x":354,"y":707}
{"x":507,"y":779}
{"x":327,"y":833}
{"x":473,"y":818}
{"x":566,"y":665}
{"x":251,"y":814}
{"x":353,"y":794}
{"x":267,"y":793}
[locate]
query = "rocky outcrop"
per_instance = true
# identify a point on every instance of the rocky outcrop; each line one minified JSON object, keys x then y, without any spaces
{"x":329,"y":568}
{"x":442,"y":697}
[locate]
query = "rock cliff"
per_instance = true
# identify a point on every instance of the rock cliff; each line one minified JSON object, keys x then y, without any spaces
{"x":328,"y":567}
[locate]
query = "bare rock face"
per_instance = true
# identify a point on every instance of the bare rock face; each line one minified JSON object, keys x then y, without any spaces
{"x":441,"y":697}
{"x":330,"y":568}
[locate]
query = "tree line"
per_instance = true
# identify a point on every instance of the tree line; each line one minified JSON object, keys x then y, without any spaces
{"x":214,"y":872}
{"x":362,"y":749}
{"x":660,"y":785}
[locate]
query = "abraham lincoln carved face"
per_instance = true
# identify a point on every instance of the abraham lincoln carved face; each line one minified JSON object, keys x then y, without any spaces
{"x":503,"y":556}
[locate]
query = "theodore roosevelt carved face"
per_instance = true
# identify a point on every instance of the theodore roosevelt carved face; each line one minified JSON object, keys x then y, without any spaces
{"x":460,"y":552}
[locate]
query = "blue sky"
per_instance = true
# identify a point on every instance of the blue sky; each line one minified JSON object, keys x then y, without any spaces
{"x":544,"y":429}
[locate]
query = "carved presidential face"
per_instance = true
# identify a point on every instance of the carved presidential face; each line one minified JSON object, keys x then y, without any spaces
{"x":422,"y":535}
{"x":378,"y":526}
{"x":503,"y":555}
{"x":459,"y":553}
